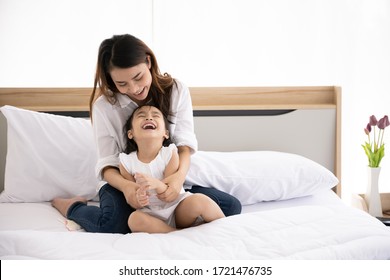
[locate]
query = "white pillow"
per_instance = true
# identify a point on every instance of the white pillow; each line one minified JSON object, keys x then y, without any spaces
{"x":257,"y":176}
{"x":47,"y":156}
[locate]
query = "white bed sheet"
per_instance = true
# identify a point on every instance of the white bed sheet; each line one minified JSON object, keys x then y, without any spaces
{"x":316,"y":227}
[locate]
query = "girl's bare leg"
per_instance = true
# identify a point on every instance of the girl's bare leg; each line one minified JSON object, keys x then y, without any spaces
{"x":143,"y":222}
{"x":63,"y":204}
{"x":190,"y":208}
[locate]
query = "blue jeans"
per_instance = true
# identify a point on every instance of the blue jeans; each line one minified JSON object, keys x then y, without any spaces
{"x":113,"y":213}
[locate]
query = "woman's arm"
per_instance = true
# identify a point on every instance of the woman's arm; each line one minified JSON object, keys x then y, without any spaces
{"x":182,"y":131}
{"x":176,"y":180}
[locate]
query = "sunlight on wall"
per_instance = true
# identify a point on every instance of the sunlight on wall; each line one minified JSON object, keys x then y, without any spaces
{"x":55,"y":43}
{"x":218,"y":43}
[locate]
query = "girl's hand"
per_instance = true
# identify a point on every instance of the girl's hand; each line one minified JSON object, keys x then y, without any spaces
{"x":142,"y":196}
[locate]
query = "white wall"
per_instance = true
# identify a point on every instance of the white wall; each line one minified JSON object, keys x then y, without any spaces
{"x":218,"y":43}
{"x":55,"y":43}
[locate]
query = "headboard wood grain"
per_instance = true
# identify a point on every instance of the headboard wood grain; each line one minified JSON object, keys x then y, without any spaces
{"x":203,"y":98}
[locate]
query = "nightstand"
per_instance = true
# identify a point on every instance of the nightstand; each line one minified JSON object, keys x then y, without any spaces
{"x":359,"y":202}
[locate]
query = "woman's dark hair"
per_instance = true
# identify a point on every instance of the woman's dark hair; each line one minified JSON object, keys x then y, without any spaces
{"x":131,"y":145}
{"x":125,"y":51}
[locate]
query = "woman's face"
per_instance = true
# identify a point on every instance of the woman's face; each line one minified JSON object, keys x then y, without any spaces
{"x":133,"y":82}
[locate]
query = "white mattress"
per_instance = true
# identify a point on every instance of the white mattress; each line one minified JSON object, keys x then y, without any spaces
{"x":42,"y":216}
{"x":315,"y":227}
{"x":326,"y":197}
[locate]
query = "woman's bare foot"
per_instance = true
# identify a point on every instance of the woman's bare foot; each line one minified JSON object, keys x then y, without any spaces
{"x":63,"y":204}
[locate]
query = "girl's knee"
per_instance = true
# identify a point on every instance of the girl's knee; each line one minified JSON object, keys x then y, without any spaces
{"x":201,"y":197}
{"x":201,"y":203}
{"x":136,"y":221}
{"x":198,"y":201}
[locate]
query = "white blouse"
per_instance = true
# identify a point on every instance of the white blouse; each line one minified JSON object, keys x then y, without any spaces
{"x":155,"y":168}
{"x":109,"y":121}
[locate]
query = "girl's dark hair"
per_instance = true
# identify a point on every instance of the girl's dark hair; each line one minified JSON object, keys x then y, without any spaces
{"x":131,"y":145}
{"x":125,"y":51}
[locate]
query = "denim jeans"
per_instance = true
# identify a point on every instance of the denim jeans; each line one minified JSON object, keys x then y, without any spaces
{"x":113,"y":213}
{"x":110,"y":217}
{"x":228,"y":204}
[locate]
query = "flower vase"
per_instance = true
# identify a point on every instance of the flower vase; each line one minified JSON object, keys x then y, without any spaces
{"x":372,"y":196}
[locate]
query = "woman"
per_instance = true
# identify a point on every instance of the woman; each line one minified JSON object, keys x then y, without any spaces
{"x":128,"y":76}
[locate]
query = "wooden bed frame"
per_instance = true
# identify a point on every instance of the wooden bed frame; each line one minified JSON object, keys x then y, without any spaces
{"x":231,"y":118}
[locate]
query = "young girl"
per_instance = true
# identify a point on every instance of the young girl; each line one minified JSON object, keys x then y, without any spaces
{"x":150,"y":156}
{"x":128,"y":76}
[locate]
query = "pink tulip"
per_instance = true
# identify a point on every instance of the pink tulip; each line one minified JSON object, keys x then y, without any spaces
{"x":383,"y":122}
{"x":367,"y":130}
{"x":373,"y":120}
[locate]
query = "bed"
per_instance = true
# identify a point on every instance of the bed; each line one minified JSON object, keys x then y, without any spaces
{"x":277,"y":149}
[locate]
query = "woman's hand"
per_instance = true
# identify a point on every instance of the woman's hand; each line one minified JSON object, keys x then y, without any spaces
{"x":137,"y":197}
{"x":175,"y":184}
{"x":130,"y":194}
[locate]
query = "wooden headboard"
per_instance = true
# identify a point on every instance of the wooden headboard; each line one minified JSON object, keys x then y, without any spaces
{"x":301,"y":120}
{"x":203,"y":98}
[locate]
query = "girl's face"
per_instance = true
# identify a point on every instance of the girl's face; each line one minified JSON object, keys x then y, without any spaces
{"x":133,"y":82}
{"x":148,"y":122}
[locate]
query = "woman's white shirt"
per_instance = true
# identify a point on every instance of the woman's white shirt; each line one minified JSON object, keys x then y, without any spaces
{"x":109,"y":121}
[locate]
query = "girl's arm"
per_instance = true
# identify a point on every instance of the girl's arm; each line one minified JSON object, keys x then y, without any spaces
{"x":173,"y":164}
{"x":125,"y":173}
